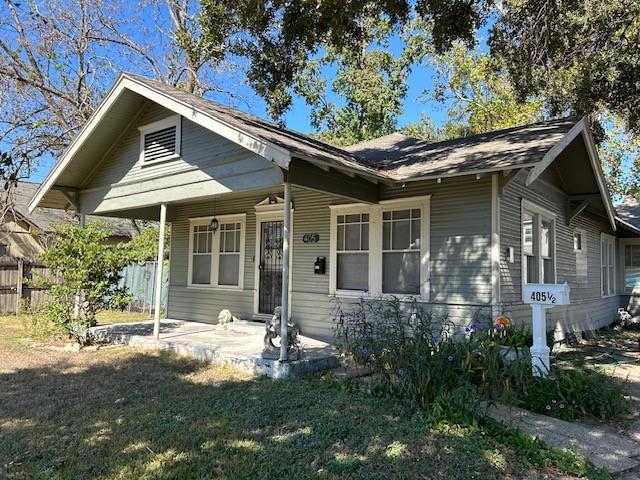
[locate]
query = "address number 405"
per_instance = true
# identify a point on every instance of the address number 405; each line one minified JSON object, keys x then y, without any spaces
{"x":538,"y":296}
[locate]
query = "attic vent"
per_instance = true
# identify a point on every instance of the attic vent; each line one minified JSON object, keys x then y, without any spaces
{"x":160,"y":144}
{"x":160,"y":140}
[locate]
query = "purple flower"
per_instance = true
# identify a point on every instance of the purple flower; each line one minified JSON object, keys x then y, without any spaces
{"x":499,"y":327}
{"x":402,"y":372}
{"x":450,"y":358}
{"x":552,"y":378}
{"x":366,"y":353}
{"x":562,"y":405}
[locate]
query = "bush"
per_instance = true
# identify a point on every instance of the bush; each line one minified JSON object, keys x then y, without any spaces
{"x":419,"y":357}
{"x":83,"y":267}
{"x":568,"y":394}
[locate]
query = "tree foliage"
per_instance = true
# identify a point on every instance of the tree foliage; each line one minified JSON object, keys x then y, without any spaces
{"x":479,"y":97}
{"x":367,"y":91}
{"x":144,"y":246}
{"x":83,"y":266}
{"x":280,"y":37}
{"x":581,"y":55}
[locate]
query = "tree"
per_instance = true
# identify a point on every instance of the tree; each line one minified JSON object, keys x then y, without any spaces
{"x":58,"y":58}
{"x":280,"y":37}
{"x":370,"y":83}
{"x":581,"y":55}
{"x":83,"y":266}
{"x":479,"y":96}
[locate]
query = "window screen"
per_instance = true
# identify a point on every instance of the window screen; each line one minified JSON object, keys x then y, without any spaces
{"x":352,"y":252}
{"x":401,"y":234}
{"x":229,"y":266}
{"x":201,"y":255}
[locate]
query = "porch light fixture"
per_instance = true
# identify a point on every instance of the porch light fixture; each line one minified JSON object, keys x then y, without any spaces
{"x":214,"y":224}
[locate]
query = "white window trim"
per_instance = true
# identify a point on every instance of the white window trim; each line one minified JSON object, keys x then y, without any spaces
{"x":215,"y":251}
{"x":375,"y":245}
{"x":613,"y":288}
{"x":172,"y":121}
{"x":539,"y":212}
{"x":583,"y":234}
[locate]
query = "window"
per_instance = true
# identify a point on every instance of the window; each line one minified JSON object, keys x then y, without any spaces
{"x":578,"y":240}
{"x":228,"y":270}
{"x":401,"y":231}
{"x":380,"y":249}
{"x":580,"y":249}
{"x":352,"y":260}
{"x":538,"y":244}
{"x":160,"y":141}
{"x":4,"y":249}
{"x":217,"y":258}
{"x":631,"y":267}
{"x":607,"y":264}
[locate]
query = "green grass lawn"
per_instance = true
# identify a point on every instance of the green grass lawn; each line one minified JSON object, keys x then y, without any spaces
{"x":122,"y":413}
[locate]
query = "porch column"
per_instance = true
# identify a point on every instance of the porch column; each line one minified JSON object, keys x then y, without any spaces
{"x":158,"y":299}
{"x":286,"y":228}
{"x":78,"y":297}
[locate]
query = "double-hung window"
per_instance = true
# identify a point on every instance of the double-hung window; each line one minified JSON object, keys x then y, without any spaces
{"x":216,"y":258}
{"x":160,"y":141}
{"x":401,"y":232}
{"x":607,"y":265}
{"x":538,"y":244}
{"x":352,"y":260}
{"x":380,"y":249}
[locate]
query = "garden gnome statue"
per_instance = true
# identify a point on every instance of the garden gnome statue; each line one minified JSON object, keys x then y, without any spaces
{"x":271,"y":350}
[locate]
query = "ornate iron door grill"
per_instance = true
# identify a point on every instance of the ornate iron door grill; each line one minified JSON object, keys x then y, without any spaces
{"x":270,"y":266}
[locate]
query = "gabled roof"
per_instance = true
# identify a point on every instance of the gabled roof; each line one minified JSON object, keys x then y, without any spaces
{"x":407,"y":158}
{"x":628,"y":214}
{"x":393,"y":158}
{"x":44,"y":218}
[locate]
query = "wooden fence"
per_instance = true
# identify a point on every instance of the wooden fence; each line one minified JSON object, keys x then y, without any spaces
{"x":16,"y":289}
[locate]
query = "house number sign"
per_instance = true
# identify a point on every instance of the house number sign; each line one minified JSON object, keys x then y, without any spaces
{"x":311,"y":238}
{"x":542,"y":296}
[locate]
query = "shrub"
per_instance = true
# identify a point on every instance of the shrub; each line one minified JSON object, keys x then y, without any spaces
{"x":419,"y":357}
{"x":568,"y":394}
{"x":84,"y":266}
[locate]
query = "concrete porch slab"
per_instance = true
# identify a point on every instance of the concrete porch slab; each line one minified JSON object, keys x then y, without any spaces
{"x":240,"y":345}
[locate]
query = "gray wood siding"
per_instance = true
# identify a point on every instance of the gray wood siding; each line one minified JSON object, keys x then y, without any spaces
{"x":460,"y":255}
{"x":208,"y":164}
{"x":588,"y":310}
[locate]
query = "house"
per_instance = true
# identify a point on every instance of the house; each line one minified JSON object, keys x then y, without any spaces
{"x":262,"y":215}
{"x":628,"y":218}
{"x":24,"y":233}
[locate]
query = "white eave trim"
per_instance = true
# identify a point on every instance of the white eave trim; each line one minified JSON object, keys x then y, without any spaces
{"x":582,"y":126}
{"x":268,"y":150}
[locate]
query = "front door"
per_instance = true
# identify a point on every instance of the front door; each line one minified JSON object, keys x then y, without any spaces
{"x":270,"y":283}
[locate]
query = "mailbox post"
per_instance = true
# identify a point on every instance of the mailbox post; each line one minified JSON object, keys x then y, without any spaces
{"x":542,"y":296}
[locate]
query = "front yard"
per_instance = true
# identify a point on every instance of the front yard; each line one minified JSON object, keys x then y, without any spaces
{"x":125,"y":413}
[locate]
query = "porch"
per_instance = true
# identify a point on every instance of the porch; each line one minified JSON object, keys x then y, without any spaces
{"x":239,"y":345}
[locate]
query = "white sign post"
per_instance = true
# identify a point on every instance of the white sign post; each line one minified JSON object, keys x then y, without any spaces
{"x":542,"y":296}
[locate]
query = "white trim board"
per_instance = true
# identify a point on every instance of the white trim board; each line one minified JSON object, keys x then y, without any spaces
{"x":375,"y":251}
{"x":215,"y":251}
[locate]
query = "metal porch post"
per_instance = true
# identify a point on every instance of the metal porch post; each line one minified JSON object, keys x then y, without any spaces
{"x":159,"y":268}
{"x":286,"y":229}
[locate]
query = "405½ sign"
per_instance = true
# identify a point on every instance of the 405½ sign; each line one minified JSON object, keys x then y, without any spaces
{"x":546,"y":294}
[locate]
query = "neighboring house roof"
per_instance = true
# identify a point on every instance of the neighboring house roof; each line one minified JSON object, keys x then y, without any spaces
{"x":628,"y":214}
{"x":405,"y":158}
{"x":44,"y":218}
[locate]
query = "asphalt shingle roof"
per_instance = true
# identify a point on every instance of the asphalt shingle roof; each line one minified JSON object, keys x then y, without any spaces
{"x":43,"y":218}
